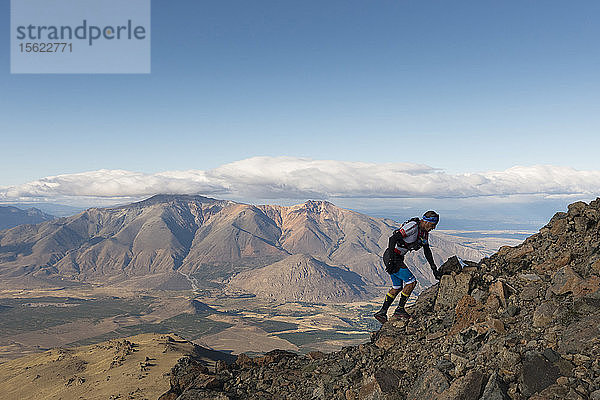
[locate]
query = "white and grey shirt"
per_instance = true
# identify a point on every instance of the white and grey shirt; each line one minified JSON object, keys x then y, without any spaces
{"x":409,"y":238}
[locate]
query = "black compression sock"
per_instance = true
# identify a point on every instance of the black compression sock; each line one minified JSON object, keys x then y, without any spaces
{"x":389,"y":299}
{"x":403,"y":299}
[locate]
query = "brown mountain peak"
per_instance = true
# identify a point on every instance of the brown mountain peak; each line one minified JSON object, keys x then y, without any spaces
{"x":300,"y":277}
{"x":170,"y":198}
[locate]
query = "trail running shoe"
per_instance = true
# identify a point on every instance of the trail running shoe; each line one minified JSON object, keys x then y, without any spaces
{"x":381,"y":317}
{"x":401,"y":314}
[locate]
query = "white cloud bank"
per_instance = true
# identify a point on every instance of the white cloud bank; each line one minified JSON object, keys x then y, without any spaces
{"x":302,"y":178}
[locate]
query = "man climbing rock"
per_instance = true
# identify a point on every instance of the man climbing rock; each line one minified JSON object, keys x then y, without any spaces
{"x":413,"y":235}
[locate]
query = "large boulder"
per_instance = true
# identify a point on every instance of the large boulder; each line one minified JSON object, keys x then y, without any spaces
{"x":565,"y":280}
{"x":451,"y":290}
{"x":543,"y":314}
{"x":494,"y":389}
{"x":557,"y":392}
{"x":455,"y":265}
{"x":468,"y":311}
{"x":429,"y":385}
{"x":580,"y":336}
{"x":183,"y":376}
{"x":537,"y":373}
{"x":466,"y":387}
{"x":376,"y":386}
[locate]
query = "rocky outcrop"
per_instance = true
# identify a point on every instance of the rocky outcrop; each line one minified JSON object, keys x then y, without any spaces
{"x":524,"y":323}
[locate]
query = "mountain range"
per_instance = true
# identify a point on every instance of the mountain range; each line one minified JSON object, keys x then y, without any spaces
{"x":13,"y":216}
{"x":335,"y":252}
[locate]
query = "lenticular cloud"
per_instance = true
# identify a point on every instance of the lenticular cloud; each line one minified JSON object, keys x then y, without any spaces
{"x":301,"y":178}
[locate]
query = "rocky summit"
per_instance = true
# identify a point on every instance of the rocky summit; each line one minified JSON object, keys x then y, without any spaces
{"x":521,"y":324}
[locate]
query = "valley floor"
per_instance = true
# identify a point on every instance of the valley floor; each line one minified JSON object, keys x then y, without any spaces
{"x":37,"y":320}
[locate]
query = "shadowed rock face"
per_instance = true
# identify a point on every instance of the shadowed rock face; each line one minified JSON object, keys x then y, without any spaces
{"x":192,"y":234}
{"x":473,"y":340}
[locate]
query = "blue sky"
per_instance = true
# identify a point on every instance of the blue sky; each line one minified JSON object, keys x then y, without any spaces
{"x":462,"y":87}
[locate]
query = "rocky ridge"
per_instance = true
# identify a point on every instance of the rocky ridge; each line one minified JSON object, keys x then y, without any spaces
{"x":521,"y":324}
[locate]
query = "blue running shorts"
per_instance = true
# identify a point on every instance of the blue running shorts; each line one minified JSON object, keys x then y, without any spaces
{"x":403,"y":275}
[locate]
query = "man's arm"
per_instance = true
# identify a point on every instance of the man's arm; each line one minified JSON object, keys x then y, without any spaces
{"x":429,"y":257}
{"x":395,"y":238}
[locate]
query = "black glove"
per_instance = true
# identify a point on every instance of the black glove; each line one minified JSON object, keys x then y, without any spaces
{"x":436,"y":272}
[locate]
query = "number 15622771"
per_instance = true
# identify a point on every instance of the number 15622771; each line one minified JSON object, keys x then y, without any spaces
{"x":46,"y":47}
